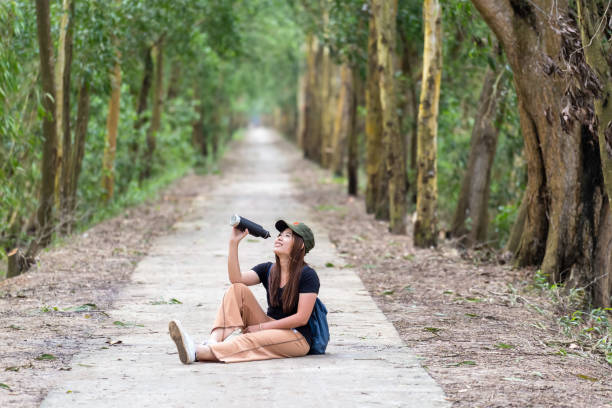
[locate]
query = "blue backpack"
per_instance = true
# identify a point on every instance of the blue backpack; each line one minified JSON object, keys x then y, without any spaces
{"x":318,"y":328}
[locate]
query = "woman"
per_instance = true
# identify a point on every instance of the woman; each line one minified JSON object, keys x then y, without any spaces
{"x":242,"y":331}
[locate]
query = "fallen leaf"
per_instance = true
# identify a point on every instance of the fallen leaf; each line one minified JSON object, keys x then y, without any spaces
{"x":515,"y":379}
{"x":433,"y":330}
{"x":586,"y":377}
{"x":504,"y":346}
{"x":6,"y":387}
{"x":46,"y":357}
{"x":14,"y":368}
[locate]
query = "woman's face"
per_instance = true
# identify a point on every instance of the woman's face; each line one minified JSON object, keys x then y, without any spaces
{"x":283,"y":243}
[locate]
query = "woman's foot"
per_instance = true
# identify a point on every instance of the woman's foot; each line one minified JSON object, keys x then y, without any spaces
{"x":184,"y":344}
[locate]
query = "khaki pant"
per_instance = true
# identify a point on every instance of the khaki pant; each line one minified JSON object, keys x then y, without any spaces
{"x":239,"y":310}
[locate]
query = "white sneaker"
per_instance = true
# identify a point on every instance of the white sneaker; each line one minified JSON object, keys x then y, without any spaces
{"x":184,"y":344}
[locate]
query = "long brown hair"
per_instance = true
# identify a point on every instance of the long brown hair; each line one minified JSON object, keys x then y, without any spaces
{"x":289,"y":297}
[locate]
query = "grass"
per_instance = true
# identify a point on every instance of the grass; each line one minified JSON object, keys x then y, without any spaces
{"x":586,"y":326}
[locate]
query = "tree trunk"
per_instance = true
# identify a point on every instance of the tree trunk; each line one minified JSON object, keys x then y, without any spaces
{"x":567,"y":225}
{"x":47,"y":191}
{"x":60,"y":66}
{"x":597,"y":47}
{"x":78,"y":150}
{"x":426,"y":225}
{"x":385,"y":12}
{"x":352,"y":169}
{"x":112,"y":124}
{"x":311,"y":136}
{"x":409,"y":65}
{"x":344,"y":119}
{"x":474,"y":196}
{"x":17,"y":263}
{"x":158,"y":50}
{"x":143,"y":100}
{"x":175,"y":78}
{"x":301,"y":108}
{"x":376,"y":188}
{"x":67,"y":136}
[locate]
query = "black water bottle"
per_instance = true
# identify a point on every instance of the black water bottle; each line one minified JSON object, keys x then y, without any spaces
{"x":254,"y":229}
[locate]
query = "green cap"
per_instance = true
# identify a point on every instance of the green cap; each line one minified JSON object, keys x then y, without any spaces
{"x":299,"y":228}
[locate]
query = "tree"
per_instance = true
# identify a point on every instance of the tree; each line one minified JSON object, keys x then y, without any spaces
{"x":112,"y":123}
{"x":425,"y":227}
{"x":474,"y":195}
{"x":376,"y":187}
{"x":393,"y":142}
{"x":564,"y":221}
{"x":48,"y":165}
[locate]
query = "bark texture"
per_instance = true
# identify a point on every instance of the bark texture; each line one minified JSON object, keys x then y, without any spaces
{"x":158,"y":50}
{"x":598,"y":52}
{"x":426,"y":225}
{"x":311,"y":137}
{"x":393,"y":142}
{"x":566,"y":221}
{"x":471,"y":216}
{"x":66,"y":214}
{"x":78,"y":150}
{"x":60,"y":67}
{"x":47,"y":190}
{"x":344,"y":122}
{"x":376,"y":188}
{"x":112,"y":124}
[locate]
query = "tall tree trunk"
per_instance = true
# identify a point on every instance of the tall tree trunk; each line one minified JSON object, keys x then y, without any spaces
{"x":158,"y":51}
{"x":376,"y":187}
{"x":353,"y":142}
{"x":409,"y":65}
{"x":426,"y":225}
{"x":598,"y":54}
{"x":60,"y":67}
{"x":312,"y":129}
{"x":393,"y":142}
{"x":112,"y":124}
{"x":301,"y":110}
{"x":598,"y":47}
{"x":566,"y":227}
{"x":143,"y":100}
{"x":66,"y":131}
{"x":198,"y":135}
{"x":78,"y":150}
{"x":47,"y":190}
{"x":174,"y":81}
{"x":474,"y":194}
{"x":344,"y":119}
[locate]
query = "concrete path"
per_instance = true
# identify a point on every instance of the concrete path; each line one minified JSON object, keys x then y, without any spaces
{"x":367,"y":364}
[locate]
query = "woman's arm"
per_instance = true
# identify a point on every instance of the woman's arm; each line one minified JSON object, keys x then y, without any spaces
{"x":233,"y":266}
{"x":306,"y":303}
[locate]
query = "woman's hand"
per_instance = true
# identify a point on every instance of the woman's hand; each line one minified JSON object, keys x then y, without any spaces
{"x":238,"y":235}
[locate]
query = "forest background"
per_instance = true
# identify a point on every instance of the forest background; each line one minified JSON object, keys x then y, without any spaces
{"x":487,"y":120}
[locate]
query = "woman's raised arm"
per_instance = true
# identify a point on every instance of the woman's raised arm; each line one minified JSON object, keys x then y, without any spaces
{"x":233,"y":266}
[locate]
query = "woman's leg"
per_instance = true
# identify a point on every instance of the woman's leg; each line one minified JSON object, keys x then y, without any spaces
{"x":261,"y":345}
{"x":239,"y":309}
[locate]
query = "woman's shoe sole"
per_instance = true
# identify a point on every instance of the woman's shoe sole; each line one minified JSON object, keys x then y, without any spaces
{"x":176,"y":334}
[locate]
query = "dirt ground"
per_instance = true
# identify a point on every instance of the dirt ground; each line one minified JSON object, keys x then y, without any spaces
{"x":483,"y":333}
{"x":47,"y":314}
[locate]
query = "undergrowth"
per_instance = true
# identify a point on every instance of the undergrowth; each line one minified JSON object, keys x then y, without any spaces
{"x":586,"y":326}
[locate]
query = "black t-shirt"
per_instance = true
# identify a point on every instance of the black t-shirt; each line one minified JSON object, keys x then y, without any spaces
{"x":309,"y":283}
